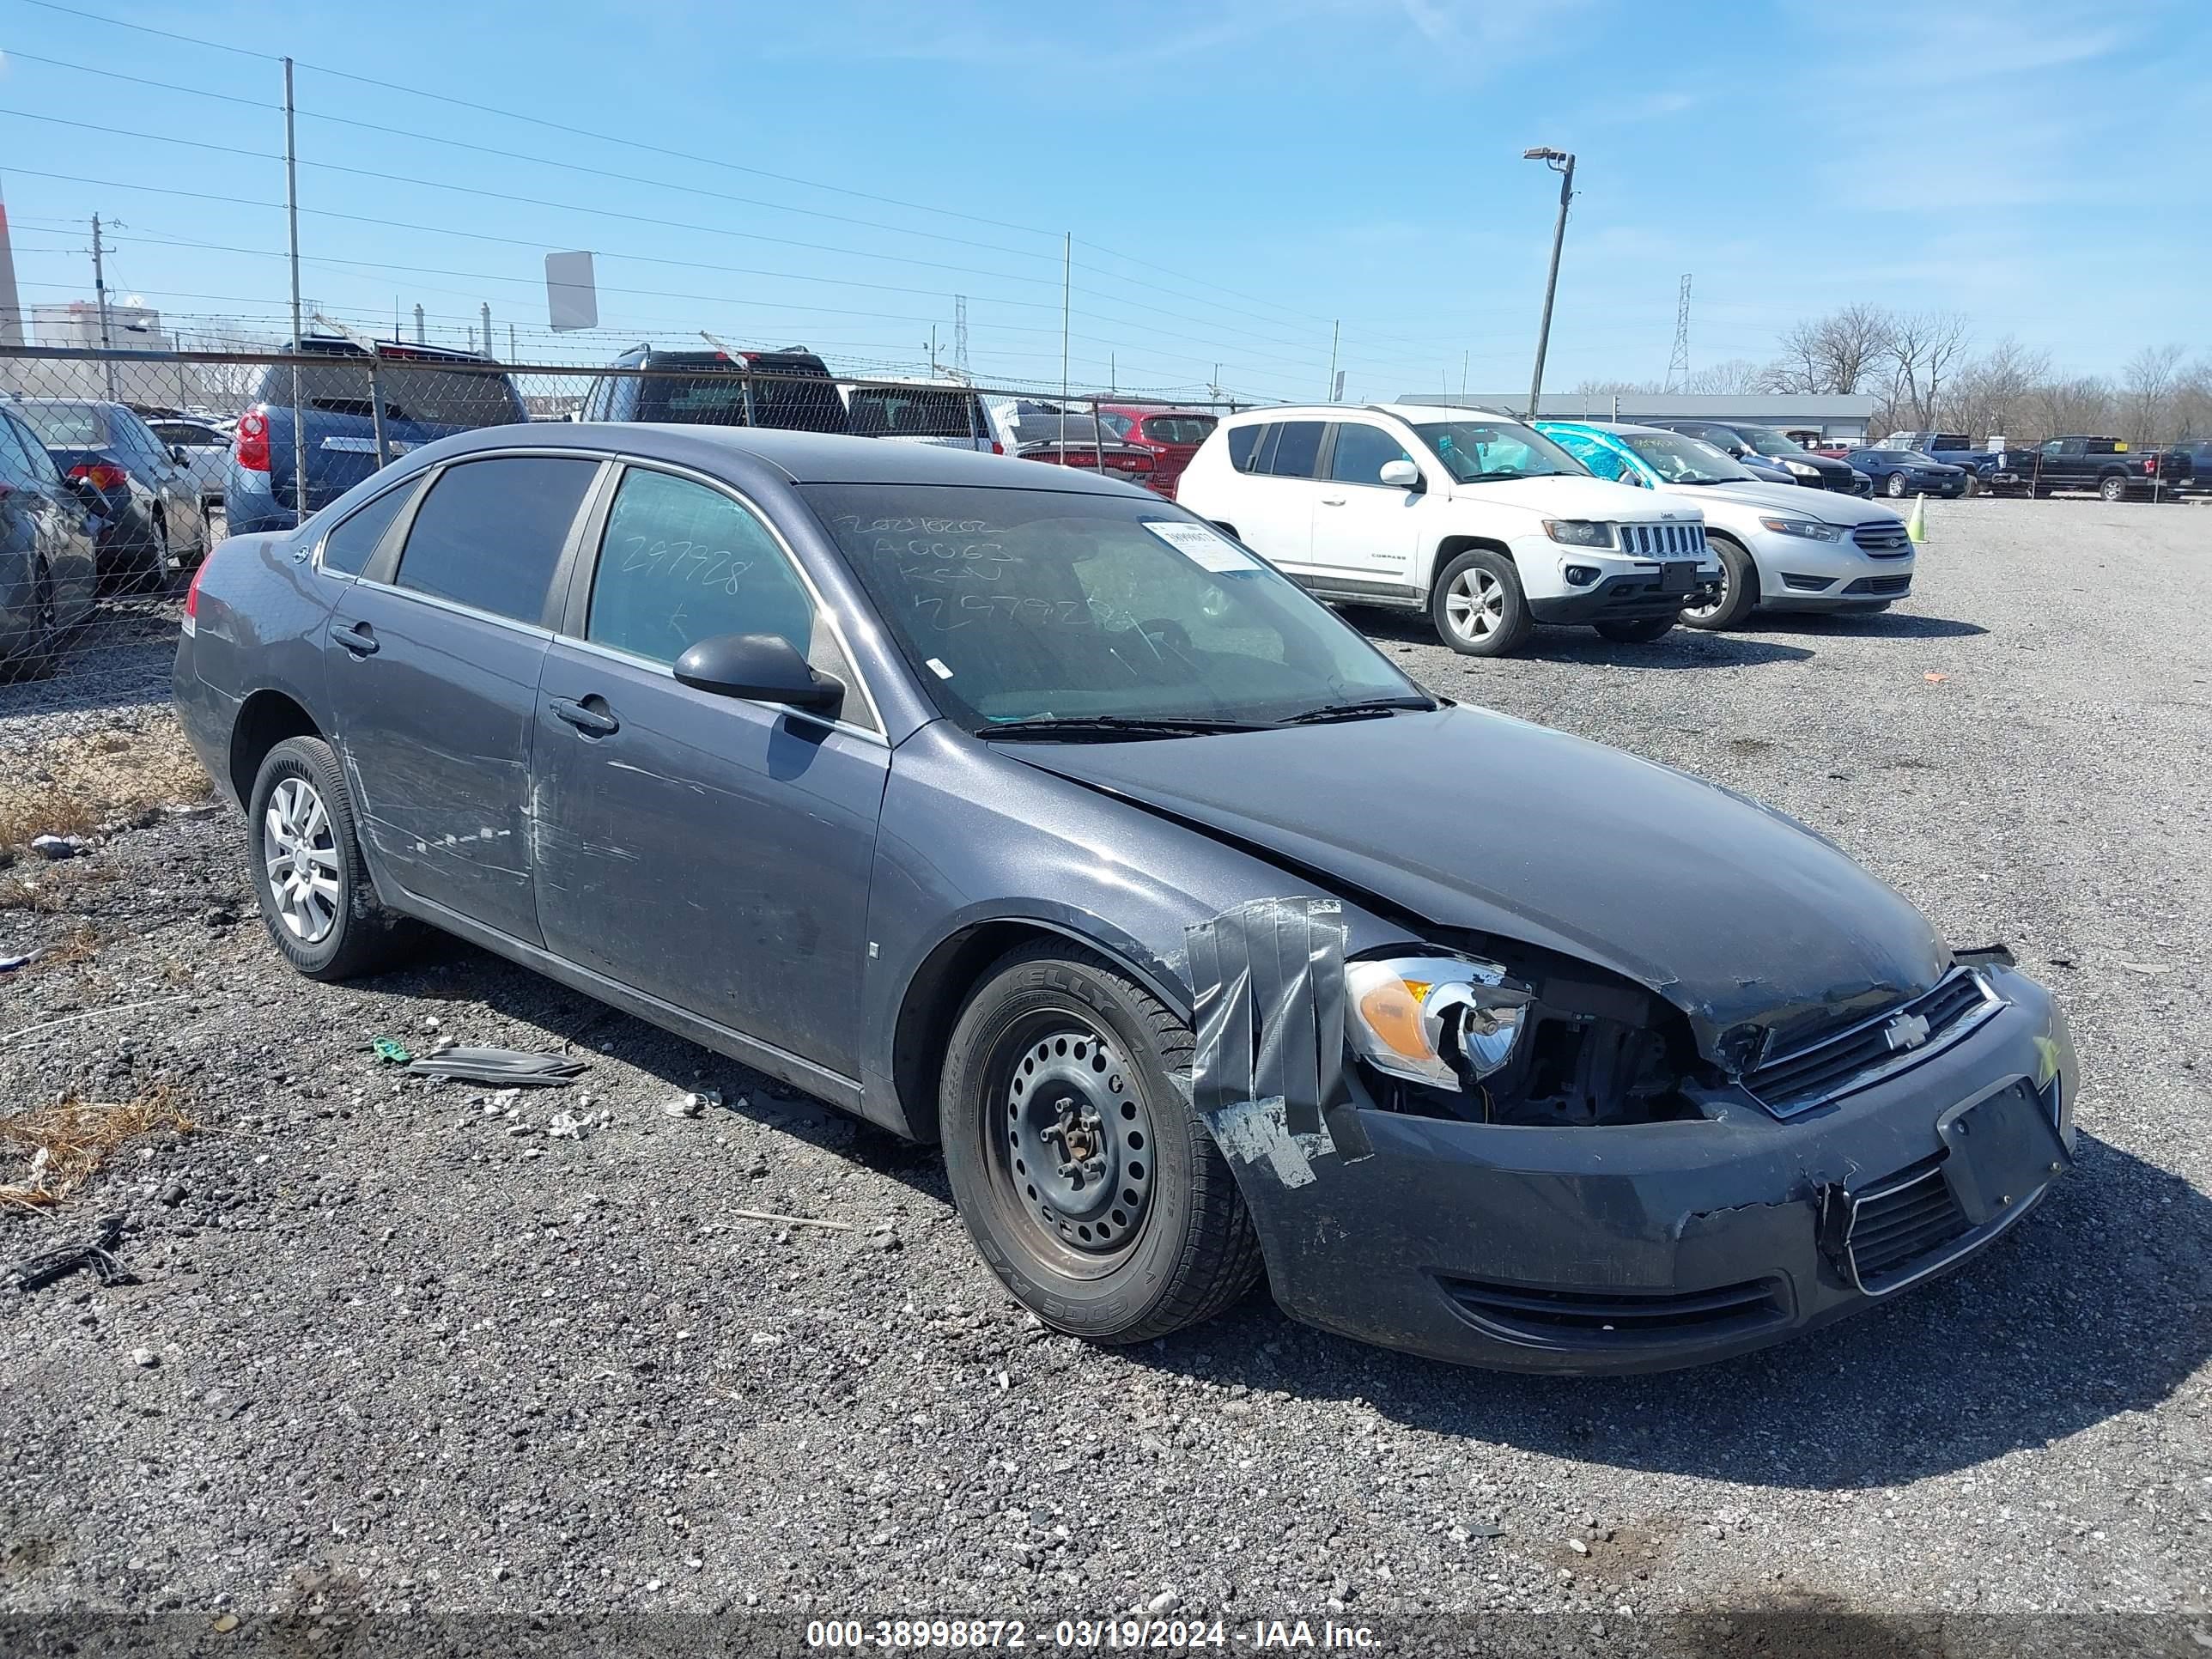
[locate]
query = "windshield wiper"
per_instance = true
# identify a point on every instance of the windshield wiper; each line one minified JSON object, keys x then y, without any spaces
{"x":1504,"y":476}
{"x":1078,"y":726}
{"x":1370,"y":708}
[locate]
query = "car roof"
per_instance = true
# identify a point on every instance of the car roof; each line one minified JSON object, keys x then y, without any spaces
{"x":801,"y":457}
{"x":1401,"y":412}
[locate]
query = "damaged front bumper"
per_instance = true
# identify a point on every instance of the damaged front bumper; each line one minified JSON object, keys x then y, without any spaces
{"x":1643,"y":1247}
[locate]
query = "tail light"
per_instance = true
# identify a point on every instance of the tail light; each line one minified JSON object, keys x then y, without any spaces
{"x":193,"y":593}
{"x":100,"y":476}
{"x":997,"y":448}
{"x":2150,"y":466}
{"x":252,"y":443}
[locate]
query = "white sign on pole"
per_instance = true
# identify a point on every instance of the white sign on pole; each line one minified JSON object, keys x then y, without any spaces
{"x":572,"y":294}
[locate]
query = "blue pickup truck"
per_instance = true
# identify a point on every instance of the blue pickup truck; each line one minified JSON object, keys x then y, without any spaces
{"x":427,"y":392}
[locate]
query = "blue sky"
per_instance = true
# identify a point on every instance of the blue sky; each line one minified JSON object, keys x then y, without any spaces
{"x":1238,"y":176}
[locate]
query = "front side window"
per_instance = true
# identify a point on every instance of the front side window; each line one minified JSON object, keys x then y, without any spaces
{"x":681,"y":562}
{"x":1484,"y":452}
{"x":1361,"y":454}
{"x":1017,"y":605}
{"x":349,"y":548}
{"x":491,"y":532}
{"x":65,"y":425}
{"x":15,"y":459}
{"x":1766,"y":440}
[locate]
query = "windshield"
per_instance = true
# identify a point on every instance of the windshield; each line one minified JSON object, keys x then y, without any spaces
{"x":1680,"y":459}
{"x":1018,"y":605}
{"x":1178,"y":428}
{"x":1767,"y":440}
{"x":1476,"y":451}
{"x":63,"y":426}
{"x":882,"y":412}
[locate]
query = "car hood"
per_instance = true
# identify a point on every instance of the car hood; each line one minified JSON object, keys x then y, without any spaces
{"x":1568,"y":497}
{"x":1825,"y":506}
{"x":1762,"y":932}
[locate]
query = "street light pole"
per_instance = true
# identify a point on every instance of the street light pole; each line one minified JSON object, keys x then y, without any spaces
{"x":1563,"y":164}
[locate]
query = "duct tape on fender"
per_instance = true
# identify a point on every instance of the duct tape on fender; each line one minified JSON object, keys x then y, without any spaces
{"x":1269,"y":1009}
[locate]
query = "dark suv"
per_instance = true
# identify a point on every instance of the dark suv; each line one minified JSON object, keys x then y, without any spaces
{"x":1759,"y":444}
{"x":790,"y":390}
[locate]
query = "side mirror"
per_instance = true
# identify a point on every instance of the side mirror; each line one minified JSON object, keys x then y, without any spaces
{"x":1401,"y":474}
{"x":762,"y":666}
{"x":177,"y":454}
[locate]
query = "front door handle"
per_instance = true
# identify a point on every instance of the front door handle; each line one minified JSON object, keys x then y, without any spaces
{"x":356,"y":637}
{"x":1332,"y":501}
{"x":592,"y":722}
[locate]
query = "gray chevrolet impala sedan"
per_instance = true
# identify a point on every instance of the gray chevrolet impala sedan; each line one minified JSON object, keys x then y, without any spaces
{"x":1023,"y":812}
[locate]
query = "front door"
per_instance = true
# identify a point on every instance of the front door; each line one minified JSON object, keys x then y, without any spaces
{"x":433,"y":673}
{"x":1364,"y":531}
{"x":710,"y":852}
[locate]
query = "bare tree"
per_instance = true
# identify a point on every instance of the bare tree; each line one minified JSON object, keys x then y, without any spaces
{"x":1923,"y":349}
{"x":2084,"y":405}
{"x":1734,"y":378}
{"x":1836,"y":353}
{"x":2147,"y":387}
{"x":1991,"y":395}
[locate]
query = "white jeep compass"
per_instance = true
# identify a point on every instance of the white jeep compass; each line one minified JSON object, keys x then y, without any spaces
{"x":1475,"y":518}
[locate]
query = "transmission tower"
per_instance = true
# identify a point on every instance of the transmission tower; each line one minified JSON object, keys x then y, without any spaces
{"x":1678,"y":366}
{"x":960,"y":337}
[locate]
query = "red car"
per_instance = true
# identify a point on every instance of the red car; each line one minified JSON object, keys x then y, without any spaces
{"x":1172,"y":436}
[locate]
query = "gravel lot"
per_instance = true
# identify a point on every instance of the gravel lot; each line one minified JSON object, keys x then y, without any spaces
{"x":393,"y":1346}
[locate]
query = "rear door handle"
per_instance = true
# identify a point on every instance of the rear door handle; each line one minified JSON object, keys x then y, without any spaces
{"x":356,"y":637}
{"x":592,"y":722}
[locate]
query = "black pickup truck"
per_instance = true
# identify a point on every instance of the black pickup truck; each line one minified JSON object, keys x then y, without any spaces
{"x":2107,"y":465}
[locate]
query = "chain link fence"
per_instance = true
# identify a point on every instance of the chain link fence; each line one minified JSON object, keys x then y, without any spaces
{"x":119,"y":470}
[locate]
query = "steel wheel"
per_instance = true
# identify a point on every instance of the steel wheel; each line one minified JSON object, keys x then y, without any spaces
{"x":1475,"y":605}
{"x":299,"y":854}
{"x":1073,"y":1152}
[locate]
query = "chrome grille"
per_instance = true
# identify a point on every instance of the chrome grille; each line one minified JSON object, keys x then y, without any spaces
{"x":1822,"y":1070}
{"x":1906,"y":1219}
{"x":1883,"y":541}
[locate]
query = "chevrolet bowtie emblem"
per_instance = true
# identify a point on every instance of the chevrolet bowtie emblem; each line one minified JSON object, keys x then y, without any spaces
{"x":1906,"y":1031}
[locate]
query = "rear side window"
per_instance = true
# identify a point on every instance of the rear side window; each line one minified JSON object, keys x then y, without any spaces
{"x":1298,"y":450}
{"x":916,"y":412}
{"x":349,"y":548}
{"x":714,"y":398}
{"x":489,"y":532}
{"x":1242,"y":439}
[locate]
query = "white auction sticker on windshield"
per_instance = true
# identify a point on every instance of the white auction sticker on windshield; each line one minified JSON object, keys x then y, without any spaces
{"x":1208,"y":550}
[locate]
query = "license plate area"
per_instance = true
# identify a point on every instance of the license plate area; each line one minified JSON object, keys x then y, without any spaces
{"x":1680,"y":577}
{"x":2003,"y":1148}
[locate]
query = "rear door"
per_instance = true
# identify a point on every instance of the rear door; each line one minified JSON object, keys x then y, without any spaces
{"x":1275,"y":507}
{"x":433,"y":662}
{"x":709,"y":852}
{"x":1363,"y":530}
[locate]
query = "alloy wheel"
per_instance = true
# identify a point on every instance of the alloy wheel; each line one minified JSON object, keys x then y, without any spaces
{"x":1475,"y":603}
{"x":300,"y":852}
{"x":1719,"y":601}
{"x":1071,"y":1141}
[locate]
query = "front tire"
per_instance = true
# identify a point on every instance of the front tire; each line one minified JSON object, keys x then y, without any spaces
{"x":1478,"y":607}
{"x":1739,"y":594}
{"x":1642,"y":632}
{"x":1087,"y":1182}
{"x":309,"y":877}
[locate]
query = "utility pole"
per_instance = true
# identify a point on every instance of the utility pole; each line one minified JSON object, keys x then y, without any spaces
{"x":100,"y":297}
{"x":960,"y":337}
{"x":1066,"y":289}
{"x":1563,"y":164}
{"x":510,"y":342}
{"x":420,"y":338}
{"x":1335,"y":334}
{"x":486,"y":308}
{"x":932,"y":351}
{"x":292,"y":224}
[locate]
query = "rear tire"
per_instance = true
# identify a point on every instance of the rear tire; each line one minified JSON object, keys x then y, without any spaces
{"x":1739,"y":589}
{"x":1895,"y":487}
{"x":1971,"y":487}
{"x":1642,"y":632}
{"x":1478,"y":607}
{"x":42,"y":646}
{"x":1057,"y":1067}
{"x":2112,"y":487}
{"x":308,"y":875}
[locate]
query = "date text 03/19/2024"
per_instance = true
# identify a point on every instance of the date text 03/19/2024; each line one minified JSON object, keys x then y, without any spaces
{"x":1087,"y":1634}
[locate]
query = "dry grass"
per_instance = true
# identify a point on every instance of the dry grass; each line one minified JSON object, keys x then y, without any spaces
{"x":51,"y":889}
{"x":63,"y":1143}
{"x":98,"y":779}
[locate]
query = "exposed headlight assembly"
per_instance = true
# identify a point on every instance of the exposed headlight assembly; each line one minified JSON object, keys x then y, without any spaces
{"x":1438,"y":1020}
{"x":1803,"y":469}
{"x":1579,"y":532}
{"x":1804,"y":527}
